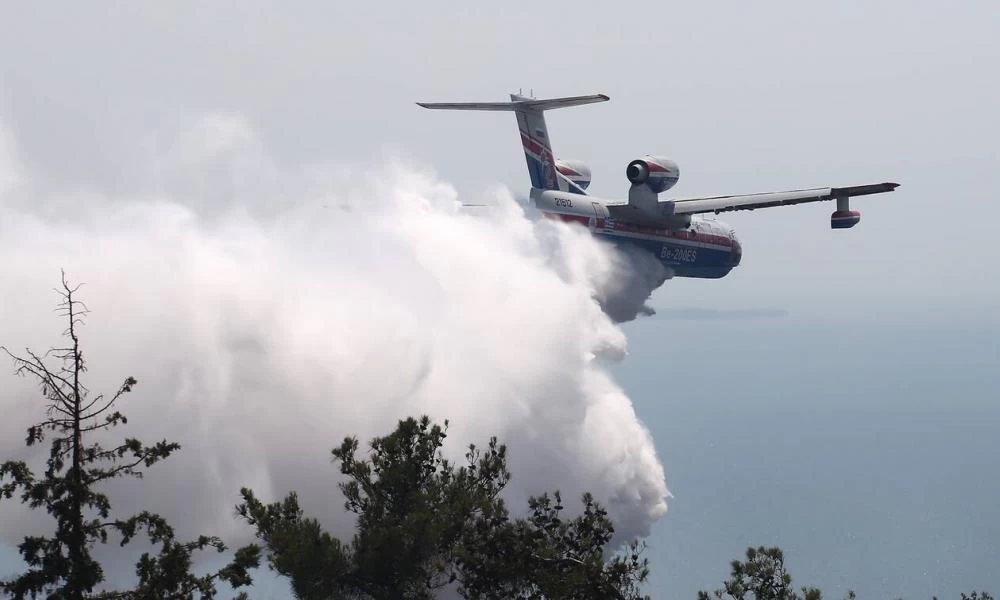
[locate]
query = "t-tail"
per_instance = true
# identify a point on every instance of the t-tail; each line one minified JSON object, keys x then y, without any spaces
{"x":530,"y":113}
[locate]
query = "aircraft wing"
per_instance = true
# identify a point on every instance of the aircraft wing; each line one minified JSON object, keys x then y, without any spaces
{"x":717,"y":204}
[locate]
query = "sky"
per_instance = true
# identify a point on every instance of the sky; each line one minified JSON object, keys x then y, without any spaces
{"x":835,"y":394}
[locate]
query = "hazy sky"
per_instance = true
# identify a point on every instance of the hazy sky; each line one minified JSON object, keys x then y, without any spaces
{"x":745,"y":97}
{"x":870,"y":408}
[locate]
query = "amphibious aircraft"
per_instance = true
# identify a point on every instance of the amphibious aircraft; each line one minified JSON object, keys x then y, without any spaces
{"x":675,"y":230}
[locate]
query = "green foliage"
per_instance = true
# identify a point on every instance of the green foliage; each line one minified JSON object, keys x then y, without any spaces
{"x":413,"y":505}
{"x":549,"y":556}
{"x":424,"y":523}
{"x":762,"y":577}
{"x":62,"y":565}
{"x":316,"y":563}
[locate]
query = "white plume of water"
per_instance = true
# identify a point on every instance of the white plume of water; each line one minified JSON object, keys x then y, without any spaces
{"x":269,"y":312}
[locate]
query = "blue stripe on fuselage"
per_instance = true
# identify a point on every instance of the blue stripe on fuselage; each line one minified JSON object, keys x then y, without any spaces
{"x":684,"y":260}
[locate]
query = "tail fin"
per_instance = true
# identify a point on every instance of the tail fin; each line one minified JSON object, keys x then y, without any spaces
{"x":534,"y":135}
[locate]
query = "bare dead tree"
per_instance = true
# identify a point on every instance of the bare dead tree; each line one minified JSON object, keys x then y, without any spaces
{"x":62,"y":565}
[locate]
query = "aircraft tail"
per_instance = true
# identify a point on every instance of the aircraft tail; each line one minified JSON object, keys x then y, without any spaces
{"x":534,"y":135}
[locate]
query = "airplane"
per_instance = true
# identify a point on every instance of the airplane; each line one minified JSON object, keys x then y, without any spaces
{"x":674,"y":230}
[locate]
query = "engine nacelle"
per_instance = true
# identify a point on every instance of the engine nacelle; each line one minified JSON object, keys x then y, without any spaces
{"x":575,"y":171}
{"x":844,"y":217}
{"x":660,"y":174}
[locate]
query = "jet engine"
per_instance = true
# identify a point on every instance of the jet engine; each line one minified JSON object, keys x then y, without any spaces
{"x":659,"y":174}
{"x":575,"y":171}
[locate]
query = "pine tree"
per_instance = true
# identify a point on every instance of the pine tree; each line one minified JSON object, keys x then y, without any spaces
{"x":62,"y":565}
{"x":763,"y":576}
{"x":425,"y":524}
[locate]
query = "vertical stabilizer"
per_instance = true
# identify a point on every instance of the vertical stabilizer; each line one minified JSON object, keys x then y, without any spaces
{"x":537,"y":148}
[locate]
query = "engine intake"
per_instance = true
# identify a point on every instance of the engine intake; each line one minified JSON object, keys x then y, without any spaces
{"x":659,"y":174}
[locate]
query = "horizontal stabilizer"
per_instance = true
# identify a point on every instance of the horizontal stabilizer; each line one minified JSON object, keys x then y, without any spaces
{"x":525,"y":103}
{"x":530,"y":115}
